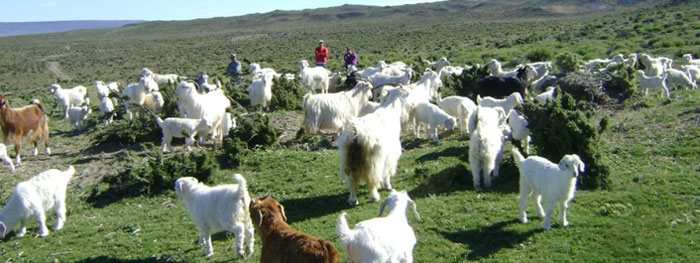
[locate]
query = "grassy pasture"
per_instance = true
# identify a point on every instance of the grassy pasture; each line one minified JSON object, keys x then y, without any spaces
{"x":650,"y":212}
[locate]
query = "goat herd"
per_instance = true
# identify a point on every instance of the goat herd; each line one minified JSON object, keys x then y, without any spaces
{"x":369,"y":145}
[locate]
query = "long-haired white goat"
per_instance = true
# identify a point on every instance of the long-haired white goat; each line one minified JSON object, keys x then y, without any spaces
{"x":219,"y":208}
{"x":331,"y":112}
{"x":33,"y":198}
{"x":555,"y":182}
{"x":381,"y":239}
{"x":370,"y":146}
{"x":486,"y":145}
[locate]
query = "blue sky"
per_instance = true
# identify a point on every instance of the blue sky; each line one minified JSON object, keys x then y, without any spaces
{"x":59,"y":10}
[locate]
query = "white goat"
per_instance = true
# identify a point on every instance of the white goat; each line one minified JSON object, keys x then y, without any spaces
{"x":229,"y":123}
{"x":148,"y":83}
{"x":654,"y":66}
{"x":519,"y":129}
{"x":137,"y":95}
{"x":204,"y":84}
{"x":380,"y":79}
{"x":260,"y":91}
{"x":76,"y":115}
{"x":547,"y":95}
{"x":6,"y":158}
{"x":107,"y":108}
{"x":433,"y":117}
{"x":332,"y":111}
{"x":497,"y":71}
{"x":368,"y":108}
{"x":678,"y":78}
{"x":441,"y":63}
{"x":631,"y":60}
{"x":256,"y":69}
{"x":219,"y":208}
{"x":426,"y":89}
{"x":161,"y":79}
{"x":688,"y":60}
{"x":461,"y":108}
{"x":652,"y":82}
{"x":486,"y":145}
{"x":381,"y":239}
{"x":541,"y":178}
{"x":103,"y":90}
{"x":68,"y":98}
{"x":507,"y":104}
{"x":154,"y":101}
{"x":181,"y":128}
{"x":693,"y":72}
{"x":315,"y":78}
{"x":370,"y":146}
{"x":211,"y":106}
{"x":35,"y":197}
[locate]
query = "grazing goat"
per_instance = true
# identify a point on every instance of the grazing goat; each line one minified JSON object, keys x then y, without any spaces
{"x":654,"y":66}
{"x":103,"y":90}
{"x":283,"y":244}
{"x":181,"y":128}
{"x":555,"y":182}
{"x":137,"y":96}
{"x":25,"y":123}
{"x":506,"y":104}
{"x":432,"y":116}
{"x":107,"y":110}
{"x":331,"y":112}
{"x":441,"y":63}
{"x":211,"y":106}
{"x":315,"y":78}
{"x":380,"y":79}
{"x":370,"y":146}
{"x":461,"y":108}
{"x":381,"y":239}
{"x":693,"y":72}
{"x":677,"y":78}
{"x":67,"y":98}
{"x":35,"y":197}
{"x":652,"y":82}
{"x":486,"y":145}
{"x":688,"y":60}
{"x":219,"y":208}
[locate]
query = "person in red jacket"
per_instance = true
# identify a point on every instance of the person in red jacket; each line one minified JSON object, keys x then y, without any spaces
{"x":321,"y":54}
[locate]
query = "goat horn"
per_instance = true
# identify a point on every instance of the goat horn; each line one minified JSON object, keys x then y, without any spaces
{"x":260,"y":215}
{"x":284,"y":216}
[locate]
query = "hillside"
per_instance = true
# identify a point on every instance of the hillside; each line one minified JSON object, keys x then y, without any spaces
{"x":28,"y":28}
{"x":122,"y":207}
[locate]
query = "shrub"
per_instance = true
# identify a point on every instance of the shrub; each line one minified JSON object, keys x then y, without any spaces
{"x":127,"y":132}
{"x":255,"y":130}
{"x":540,"y":54}
{"x":620,"y":83}
{"x":160,"y":173}
{"x":234,"y":149}
{"x":568,"y":62}
{"x":563,"y":127}
{"x":286,"y":95}
{"x":465,"y":83}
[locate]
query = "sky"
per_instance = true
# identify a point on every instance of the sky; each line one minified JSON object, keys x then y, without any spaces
{"x":61,"y":10}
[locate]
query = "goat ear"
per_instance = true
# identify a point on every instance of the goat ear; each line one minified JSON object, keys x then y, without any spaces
{"x":284,"y":216}
{"x":178,"y":188}
{"x":381,"y":207}
{"x":3,"y":230}
{"x":415,"y":209}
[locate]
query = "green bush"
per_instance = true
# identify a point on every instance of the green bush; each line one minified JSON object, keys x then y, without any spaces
{"x":568,"y":62}
{"x":540,"y":54}
{"x":465,"y":83}
{"x":127,"y":132}
{"x":255,"y":130}
{"x":286,"y":95}
{"x":620,"y":83}
{"x":563,"y":127}
{"x":234,"y":149}
{"x":161,"y":171}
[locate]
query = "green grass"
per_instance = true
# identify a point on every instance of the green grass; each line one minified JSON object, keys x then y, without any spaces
{"x":650,"y":211}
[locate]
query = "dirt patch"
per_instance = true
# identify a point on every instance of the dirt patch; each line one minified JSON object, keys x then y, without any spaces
{"x":55,"y":68}
{"x":287,"y":123}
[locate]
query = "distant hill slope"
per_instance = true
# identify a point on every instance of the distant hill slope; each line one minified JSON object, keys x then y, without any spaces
{"x":26,"y":28}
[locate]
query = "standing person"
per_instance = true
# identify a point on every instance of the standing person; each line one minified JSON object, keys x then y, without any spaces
{"x":321,"y":54}
{"x":234,"y":68}
{"x":350,"y":58}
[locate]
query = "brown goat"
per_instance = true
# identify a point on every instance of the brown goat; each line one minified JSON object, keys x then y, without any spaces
{"x":20,"y":124}
{"x":283,"y":244}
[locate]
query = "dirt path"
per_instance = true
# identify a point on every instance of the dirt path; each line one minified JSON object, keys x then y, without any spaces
{"x":55,"y":68}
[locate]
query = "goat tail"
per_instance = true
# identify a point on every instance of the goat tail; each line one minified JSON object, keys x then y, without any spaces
{"x":331,"y":252}
{"x":242,"y":185}
{"x":305,"y":100}
{"x":342,"y":229}
{"x":517,"y":157}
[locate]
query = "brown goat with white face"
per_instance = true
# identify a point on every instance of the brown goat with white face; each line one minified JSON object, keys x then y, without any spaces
{"x":283,"y":244}
{"x":25,"y":123}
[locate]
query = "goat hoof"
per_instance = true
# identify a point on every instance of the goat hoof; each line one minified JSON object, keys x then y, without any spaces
{"x":353,"y":202}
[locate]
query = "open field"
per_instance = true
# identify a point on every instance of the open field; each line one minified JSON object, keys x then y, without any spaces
{"x":650,"y":210}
